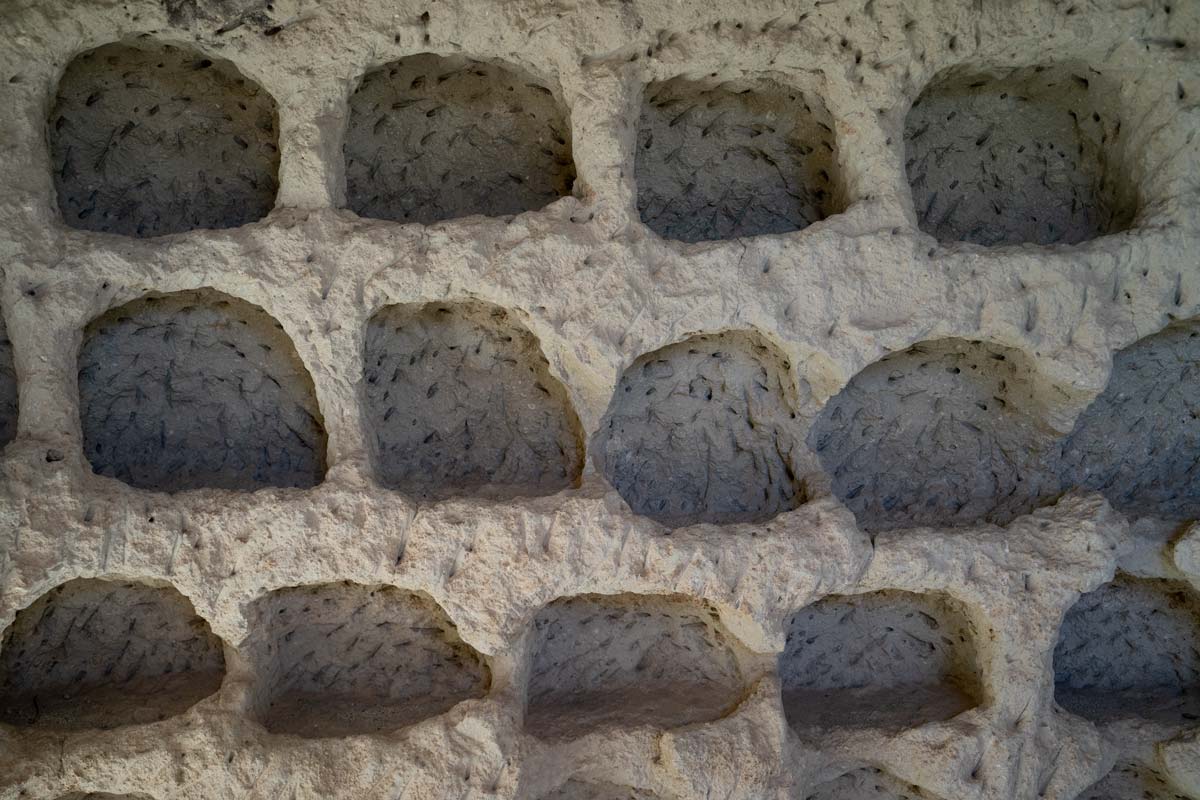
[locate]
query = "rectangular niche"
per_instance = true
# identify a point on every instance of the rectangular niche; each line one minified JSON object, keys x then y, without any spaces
{"x":1131,"y":649}
{"x":890,"y":660}
{"x":433,"y":138}
{"x":148,"y":139}
{"x":628,"y":660}
{"x":345,"y":660}
{"x":720,"y":160}
{"x":704,"y":431}
{"x":197,"y":390}
{"x":460,"y":401}
{"x":948,"y":432}
{"x":1025,"y":156}
{"x":105,"y":654}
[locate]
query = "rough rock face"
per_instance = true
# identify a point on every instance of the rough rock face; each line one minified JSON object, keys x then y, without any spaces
{"x":1131,"y":782}
{"x":385,"y":433}
{"x":8,"y":389}
{"x":148,"y":139}
{"x":574,"y":790}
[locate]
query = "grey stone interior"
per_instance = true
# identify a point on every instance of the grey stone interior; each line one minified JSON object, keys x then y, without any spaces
{"x":148,"y":139}
{"x":1131,"y":649}
{"x":103,"y":654}
{"x":346,"y":659}
{"x":720,"y":160}
{"x":195,"y":390}
{"x":1021,"y":156}
{"x":460,"y":400}
{"x":630,"y":660}
{"x":705,"y":430}
{"x":947,"y":432}
{"x":1139,"y":441}
{"x":887,"y":659}
{"x":431,"y":138}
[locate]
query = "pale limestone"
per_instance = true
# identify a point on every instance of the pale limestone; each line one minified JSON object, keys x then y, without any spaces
{"x":598,"y":290}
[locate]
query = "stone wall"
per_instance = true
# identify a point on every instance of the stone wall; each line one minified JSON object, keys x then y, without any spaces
{"x":601,"y":399}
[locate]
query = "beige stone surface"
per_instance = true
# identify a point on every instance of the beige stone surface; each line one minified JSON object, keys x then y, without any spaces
{"x":599,"y":289}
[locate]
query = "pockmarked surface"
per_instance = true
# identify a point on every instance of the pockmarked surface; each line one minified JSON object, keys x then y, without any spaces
{"x":608,"y":400}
